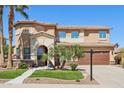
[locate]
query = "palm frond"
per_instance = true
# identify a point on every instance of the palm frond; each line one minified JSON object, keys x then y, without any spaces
{"x":21,"y":10}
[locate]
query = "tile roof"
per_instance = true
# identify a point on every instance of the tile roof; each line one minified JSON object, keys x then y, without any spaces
{"x":84,"y":27}
{"x":63,"y":27}
{"x":33,"y":22}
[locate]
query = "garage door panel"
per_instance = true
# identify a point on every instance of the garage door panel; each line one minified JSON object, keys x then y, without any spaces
{"x":98,"y":59}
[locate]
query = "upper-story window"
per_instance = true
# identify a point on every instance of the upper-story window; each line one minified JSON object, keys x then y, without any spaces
{"x":25,"y":31}
{"x":102,"y":34}
{"x":74,"y":34}
{"x":62,"y":34}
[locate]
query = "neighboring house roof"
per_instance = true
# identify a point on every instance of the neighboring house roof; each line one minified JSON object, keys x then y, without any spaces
{"x":88,"y":44}
{"x":63,"y":27}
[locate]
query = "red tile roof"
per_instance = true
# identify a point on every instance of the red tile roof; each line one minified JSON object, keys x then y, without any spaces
{"x":63,"y":27}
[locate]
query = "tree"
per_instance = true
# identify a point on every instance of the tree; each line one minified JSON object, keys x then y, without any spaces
{"x":117,"y":59}
{"x":1,"y":36}
{"x":12,"y":9}
{"x":122,"y":56}
{"x":54,"y":52}
{"x":77,"y":52}
{"x":5,"y":49}
{"x":65,"y":56}
{"x":51,"y":56}
{"x":44,"y":58}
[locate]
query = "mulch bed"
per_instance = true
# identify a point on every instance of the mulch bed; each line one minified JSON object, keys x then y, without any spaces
{"x":45,"y":80}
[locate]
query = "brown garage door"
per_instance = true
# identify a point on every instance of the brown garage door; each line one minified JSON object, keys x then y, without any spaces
{"x":98,"y":59}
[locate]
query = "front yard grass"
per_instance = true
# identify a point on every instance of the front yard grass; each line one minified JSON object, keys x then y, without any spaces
{"x":10,"y":74}
{"x":59,"y":74}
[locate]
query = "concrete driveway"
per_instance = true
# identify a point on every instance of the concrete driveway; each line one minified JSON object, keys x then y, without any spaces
{"x":107,"y":75}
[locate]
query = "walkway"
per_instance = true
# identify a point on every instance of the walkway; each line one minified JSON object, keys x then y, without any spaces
{"x":20,"y":79}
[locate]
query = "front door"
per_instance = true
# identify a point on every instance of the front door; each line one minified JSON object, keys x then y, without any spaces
{"x":40,"y":51}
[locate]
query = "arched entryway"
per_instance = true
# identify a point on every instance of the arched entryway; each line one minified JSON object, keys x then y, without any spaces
{"x":40,"y":50}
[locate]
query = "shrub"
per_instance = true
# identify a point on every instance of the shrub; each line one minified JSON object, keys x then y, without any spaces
{"x":117,"y":59}
{"x":73,"y":66}
{"x":122,"y":64}
{"x":44,"y":57}
{"x":4,"y":66}
{"x":77,"y":80}
{"x":23,"y":65}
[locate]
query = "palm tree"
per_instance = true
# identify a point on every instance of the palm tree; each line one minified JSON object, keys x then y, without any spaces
{"x":77,"y":52}
{"x":61,"y":55}
{"x":1,"y":36}
{"x":65,"y":56}
{"x":12,"y":9}
{"x":54,"y":52}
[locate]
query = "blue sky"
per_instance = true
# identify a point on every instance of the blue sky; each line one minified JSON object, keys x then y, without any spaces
{"x":112,"y":16}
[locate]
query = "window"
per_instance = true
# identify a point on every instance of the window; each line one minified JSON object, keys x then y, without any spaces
{"x":62,"y":34}
{"x":74,"y":35}
{"x":102,"y":34}
{"x":17,"y":53}
{"x":26,"y":53}
{"x":39,"y":51}
{"x":25,"y":31}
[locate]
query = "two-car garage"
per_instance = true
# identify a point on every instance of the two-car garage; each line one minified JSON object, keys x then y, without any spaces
{"x":101,"y":58}
{"x":102,"y":53}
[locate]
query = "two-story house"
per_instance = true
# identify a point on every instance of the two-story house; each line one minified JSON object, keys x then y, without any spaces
{"x":33,"y":38}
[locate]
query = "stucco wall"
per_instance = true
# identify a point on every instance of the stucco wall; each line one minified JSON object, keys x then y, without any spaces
{"x":93,"y":36}
{"x":68,"y":38}
{"x":84,"y":36}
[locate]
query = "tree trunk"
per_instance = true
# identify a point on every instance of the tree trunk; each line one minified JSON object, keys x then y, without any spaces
{"x":57,"y":61}
{"x":52,"y":64}
{"x":63,"y":64}
{"x":1,"y":37}
{"x":10,"y":31}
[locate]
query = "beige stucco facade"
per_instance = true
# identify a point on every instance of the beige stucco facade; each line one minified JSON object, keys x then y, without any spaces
{"x":93,"y":36}
{"x":33,"y":34}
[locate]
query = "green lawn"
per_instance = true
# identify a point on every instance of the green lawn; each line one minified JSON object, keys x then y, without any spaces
{"x":11,"y":73}
{"x":59,"y":74}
